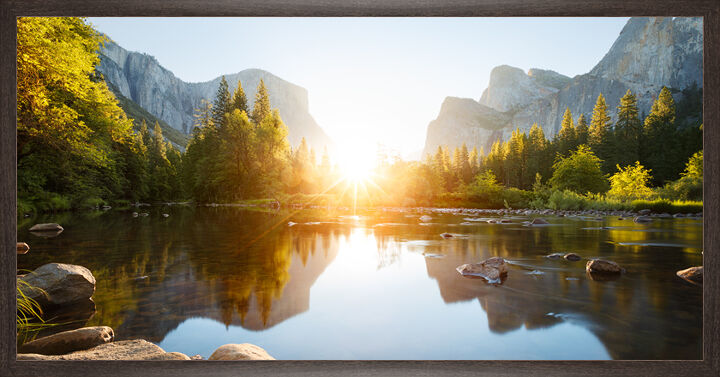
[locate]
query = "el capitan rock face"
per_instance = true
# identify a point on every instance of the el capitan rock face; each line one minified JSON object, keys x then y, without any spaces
{"x":649,"y":53}
{"x":141,"y":78}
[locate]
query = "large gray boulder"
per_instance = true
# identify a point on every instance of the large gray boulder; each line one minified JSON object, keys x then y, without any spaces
{"x":69,"y":341}
{"x":59,"y":284}
{"x":137,"y":349}
{"x":245,"y":351}
{"x":46,"y":227}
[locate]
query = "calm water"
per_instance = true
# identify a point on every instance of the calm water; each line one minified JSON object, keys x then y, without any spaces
{"x":382,"y":285}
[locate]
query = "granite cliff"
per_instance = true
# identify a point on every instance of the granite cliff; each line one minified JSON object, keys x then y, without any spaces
{"x":649,"y":53}
{"x":140,"y":78}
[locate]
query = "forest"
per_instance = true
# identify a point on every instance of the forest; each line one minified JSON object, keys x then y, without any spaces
{"x":78,"y":148}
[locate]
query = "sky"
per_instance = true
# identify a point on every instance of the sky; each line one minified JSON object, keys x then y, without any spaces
{"x":369,"y":80}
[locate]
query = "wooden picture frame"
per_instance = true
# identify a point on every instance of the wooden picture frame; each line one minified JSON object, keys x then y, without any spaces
{"x":708,"y":9}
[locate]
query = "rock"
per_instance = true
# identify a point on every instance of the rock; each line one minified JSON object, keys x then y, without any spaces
{"x":692,"y":274}
{"x":196,"y":357}
{"x":555,"y":256}
{"x":60,"y":284}
{"x":69,"y":341}
{"x":105,"y":208}
{"x":425,"y":218}
{"x":291,"y":223}
{"x":446,"y":235}
{"x":136,"y":349}
{"x":539,"y":221}
{"x":601,"y":266}
{"x":492,"y":269}
{"x":144,"y":214}
{"x":165,"y":215}
{"x":643,"y":219}
{"x":245,"y":351}
{"x":139,"y":77}
{"x":135,"y":214}
{"x":572,"y":257}
{"x":644,"y":212}
{"x":48,"y":227}
{"x":22,"y":248}
{"x":505,"y":221}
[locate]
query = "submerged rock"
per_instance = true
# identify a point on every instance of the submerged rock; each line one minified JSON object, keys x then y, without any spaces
{"x":644,"y":212}
{"x":539,"y":221}
{"x":692,"y":274}
{"x":555,"y":256}
{"x":601,"y":266}
{"x":643,"y":219}
{"x":446,"y":235}
{"x":245,"y":351}
{"x":22,"y":248}
{"x":137,"y":349}
{"x":69,"y":341}
{"x":47,"y":227}
{"x":572,"y":257}
{"x":59,"y":284}
{"x":492,"y":269}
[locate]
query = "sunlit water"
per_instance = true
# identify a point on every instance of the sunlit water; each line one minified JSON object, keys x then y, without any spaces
{"x":382,"y":284}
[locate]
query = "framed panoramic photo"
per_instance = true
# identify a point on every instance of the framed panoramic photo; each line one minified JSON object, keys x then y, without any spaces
{"x":361,"y":189}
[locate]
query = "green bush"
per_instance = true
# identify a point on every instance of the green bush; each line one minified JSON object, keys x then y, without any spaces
{"x":566,"y":200}
{"x":24,"y":207}
{"x":90,"y":203}
{"x":667,"y":206}
{"x":516,"y":198}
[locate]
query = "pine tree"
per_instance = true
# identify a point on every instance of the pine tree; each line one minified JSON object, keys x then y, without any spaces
{"x":239,"y":100}
{"x":628,"y":131}
{"x":539,"y":157}
{"x":600,"y":134}
{"x":582,"y":130}
{"x":566,"y":139}
{"x":474,"y":162}
{"x":660,"y":149}
{"x":261,"y":109}
{"x":222,"y":104}
{"x":466,"y":172}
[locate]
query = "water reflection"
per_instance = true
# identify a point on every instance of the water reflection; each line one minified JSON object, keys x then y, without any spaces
{"x":249,"y":270}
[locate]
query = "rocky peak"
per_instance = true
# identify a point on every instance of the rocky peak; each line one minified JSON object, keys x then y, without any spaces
{"x":548,"y":78}
{"x":656,"y":51}
{"x":510,"y":88}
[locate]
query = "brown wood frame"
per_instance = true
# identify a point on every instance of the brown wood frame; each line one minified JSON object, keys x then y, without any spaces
{"x":709,"y":9}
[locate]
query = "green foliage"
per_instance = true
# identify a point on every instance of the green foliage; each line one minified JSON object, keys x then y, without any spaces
{"x":567,"y":139}
{"x":630,"y":182}
{"x":485,"y":190}
{"x":261,"y":109}
{"x":667,"y":206}
{"x":239,"y":100}
{"x":628,"y":131}
{"x":580,"y":172}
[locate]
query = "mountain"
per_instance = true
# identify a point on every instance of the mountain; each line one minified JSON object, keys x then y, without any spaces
{"x":141,"y":79}
{"x":649,"y":53}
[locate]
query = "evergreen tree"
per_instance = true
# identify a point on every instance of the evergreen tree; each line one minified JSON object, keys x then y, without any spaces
{"x":222,"y":103}
{"x":566,"y":139}
{"x":465,"y":170}
{"x":261,"y":109}
{"x":539,"y":156}
{"x":239,"y":100}
{"x":600,"y":134}
{"x":582,"y":130}
{"x":660,"y":147}
{"x":628,"y":131}
{"x":474,"y":162}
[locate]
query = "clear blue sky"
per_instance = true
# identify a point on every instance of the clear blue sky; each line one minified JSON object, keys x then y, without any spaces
{"x":370,"y":79}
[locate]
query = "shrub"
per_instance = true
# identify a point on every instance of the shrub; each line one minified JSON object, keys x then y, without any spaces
{"x":630,"y":182}
{"x":580,"y":172}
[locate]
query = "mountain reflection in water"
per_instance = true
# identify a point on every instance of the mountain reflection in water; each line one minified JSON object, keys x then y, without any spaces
{"x":382,"y":286}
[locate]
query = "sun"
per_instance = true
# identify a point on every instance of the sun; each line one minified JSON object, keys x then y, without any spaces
{"x":357,"y":164}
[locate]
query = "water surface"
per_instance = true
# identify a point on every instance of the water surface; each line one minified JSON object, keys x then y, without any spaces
{"x":382,"y":284}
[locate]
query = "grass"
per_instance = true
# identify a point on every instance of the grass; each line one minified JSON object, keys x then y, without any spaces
{"x":667,"y":206}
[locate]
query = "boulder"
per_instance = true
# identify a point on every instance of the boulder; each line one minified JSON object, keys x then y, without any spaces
{"x":692,"y":274}
{"x":69,"y":341}
{"x":601,"y":266}
{"x":492,"y":269}
{"x":644,"y":212}
{"x":643,"y":219}
{"x":572,"y":257}
{"x":59,"y":284}
{"x":555,"y":256}
{"x":48,"y":227}
{"x":245,"y":351}
{"x":137,"y":349}
{"x":22,"y":248}
{"x":446,"y":235}
{"x":539,"y":221}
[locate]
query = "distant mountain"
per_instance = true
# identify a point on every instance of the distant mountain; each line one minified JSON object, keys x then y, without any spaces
{"x":141,"y":79}
{"x":649,"y":53}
